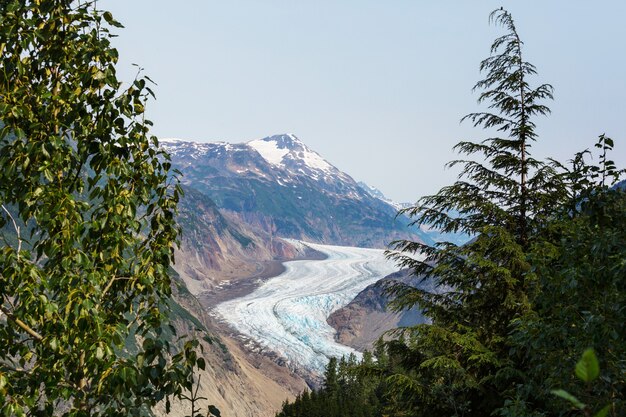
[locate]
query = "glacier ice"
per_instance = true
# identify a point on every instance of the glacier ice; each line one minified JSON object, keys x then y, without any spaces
{"x":287,"y":314}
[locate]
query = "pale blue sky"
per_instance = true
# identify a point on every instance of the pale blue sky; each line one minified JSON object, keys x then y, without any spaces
{"x":377,"y":87}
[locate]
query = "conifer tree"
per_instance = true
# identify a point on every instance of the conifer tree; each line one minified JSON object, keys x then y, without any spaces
{"x":331,"y":379}
{"x":578,"y":296}
{"x":500,"y":200}
{"x":540,"y":281}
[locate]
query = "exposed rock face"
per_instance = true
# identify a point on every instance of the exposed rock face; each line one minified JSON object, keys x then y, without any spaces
{"x":216,"y":246}
{"x":365,"y":319}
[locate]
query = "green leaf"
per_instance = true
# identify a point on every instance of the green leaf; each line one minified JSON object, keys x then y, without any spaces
{"x":569,"y":397}
{"x":587,"y":368}
{"x":604,"y":412}
{"x":99,"y":75}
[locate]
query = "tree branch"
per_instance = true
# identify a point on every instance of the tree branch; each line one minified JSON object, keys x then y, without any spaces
{"x":21,"y":324}
{"x":17,"y":230}
{"x":110,"y":283}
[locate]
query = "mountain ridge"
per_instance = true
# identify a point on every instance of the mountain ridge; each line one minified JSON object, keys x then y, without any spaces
{"x":289,"y":190}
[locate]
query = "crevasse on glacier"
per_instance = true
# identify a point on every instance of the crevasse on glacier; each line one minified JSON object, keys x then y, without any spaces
{"x":287,"y":314}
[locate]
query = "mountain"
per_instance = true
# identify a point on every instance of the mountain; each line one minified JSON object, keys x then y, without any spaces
{"x":216,"y":247}
{"x":376,"y":193}
{"x":281,"y":186}
{"x":426,"y":233}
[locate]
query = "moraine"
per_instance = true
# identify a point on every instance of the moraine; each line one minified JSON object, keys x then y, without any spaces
{"x":287,"y":314}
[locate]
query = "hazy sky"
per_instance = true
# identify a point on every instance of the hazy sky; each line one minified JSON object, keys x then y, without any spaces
{"x":377,"y":87}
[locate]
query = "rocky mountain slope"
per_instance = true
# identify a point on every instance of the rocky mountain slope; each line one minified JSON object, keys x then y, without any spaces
{"x":217,"y":247}
{"x":280,"y":186}
{"x":366,"y":318}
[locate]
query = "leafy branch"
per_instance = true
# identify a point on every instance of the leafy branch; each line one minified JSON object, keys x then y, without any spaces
{"x":587,"y":370}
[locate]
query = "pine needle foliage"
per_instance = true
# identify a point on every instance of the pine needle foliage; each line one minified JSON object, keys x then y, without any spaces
{"x":579,"y":296}
{"x":346,"y":393}
{"x":501,"y":198}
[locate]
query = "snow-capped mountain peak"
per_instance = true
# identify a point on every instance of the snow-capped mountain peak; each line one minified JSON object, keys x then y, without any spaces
{"x":283,"y":158}
{"x":280,"y":150}
{"x":273,"y":151}
{"x":283,"y":185}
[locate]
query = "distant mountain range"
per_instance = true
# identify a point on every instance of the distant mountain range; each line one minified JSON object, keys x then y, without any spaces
{"x":280,"y":186}
{"x":376,"y":193}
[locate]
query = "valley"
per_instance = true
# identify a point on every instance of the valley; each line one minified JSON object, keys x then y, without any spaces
{"x":147,"y":275}
{"x":280,"y":307}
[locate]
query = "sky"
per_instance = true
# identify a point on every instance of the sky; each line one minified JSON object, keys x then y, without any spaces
{"x":377,"y":87}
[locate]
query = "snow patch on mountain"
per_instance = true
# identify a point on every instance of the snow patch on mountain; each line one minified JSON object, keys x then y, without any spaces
{"x":177,"y":147}
{"x":314,"y":160}
{"x":171,"y":140}
{"x":269,"y":150}
{"x":281,"y":149}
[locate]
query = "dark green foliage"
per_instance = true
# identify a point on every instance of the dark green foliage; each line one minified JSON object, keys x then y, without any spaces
{"x":90,"y":270}
{"x":482,"y":285}
{"x":347,"y":392}
{"x":579,"y":295}
{"x":542,"y":279}
{"x":587,"y":370}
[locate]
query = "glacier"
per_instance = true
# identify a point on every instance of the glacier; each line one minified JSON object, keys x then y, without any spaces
{"x":287,"y":314}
